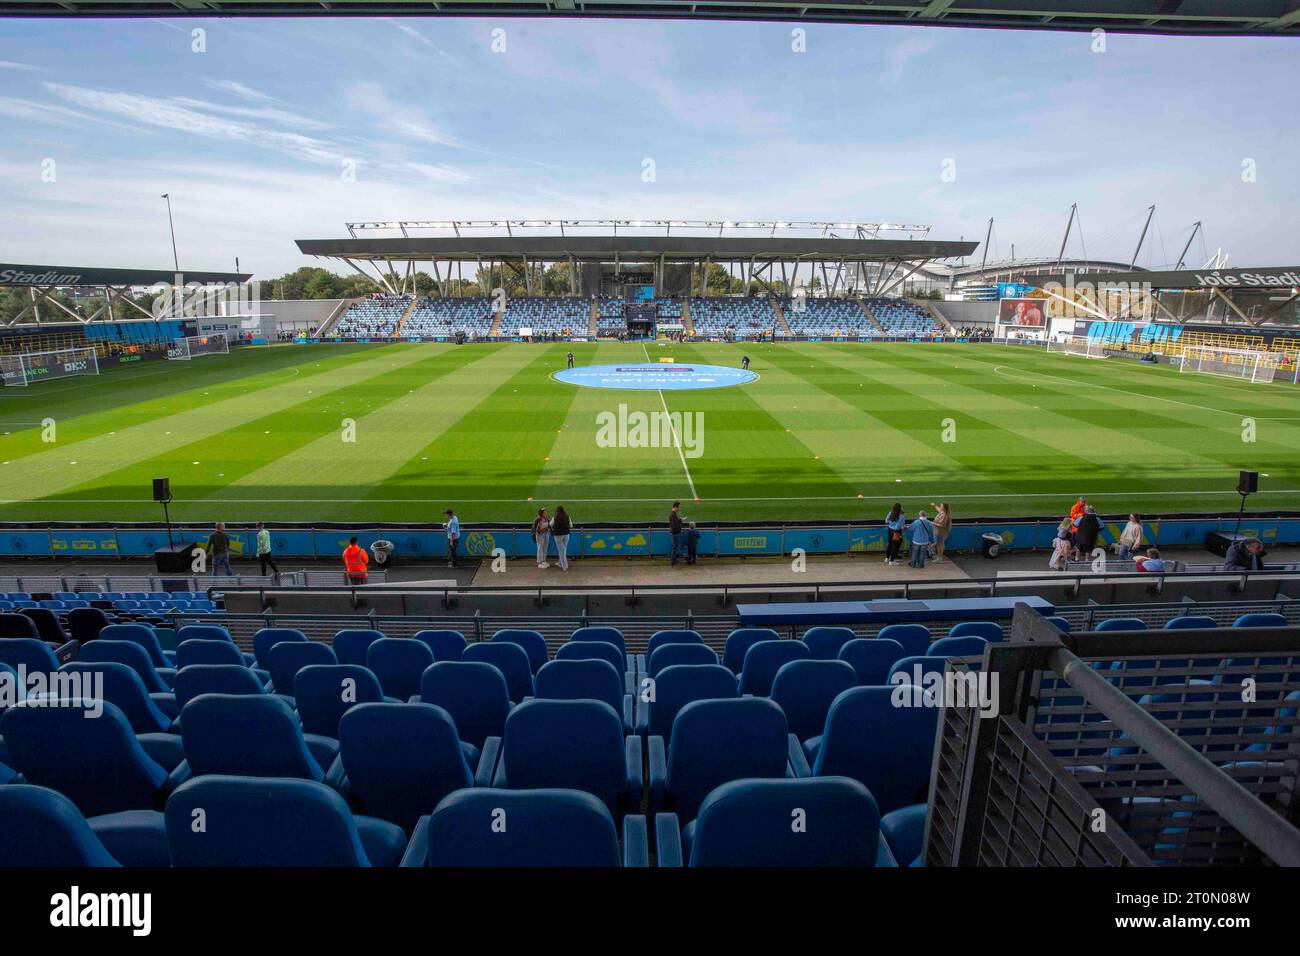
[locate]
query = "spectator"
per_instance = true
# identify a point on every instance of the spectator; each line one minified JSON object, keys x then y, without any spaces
{"x":560,"y":528}
{"x":355,"y":561}
{"x":1129,"y":538}
{"x":1086,"y":530}
{"x":1246,"y":554}
{"x":1062,"y":547}
{"x":675,"y":529}
{"x":541,"y":528}
{"x":942,"y":528}
{"x":692,"y":543}
{"x":453,"y":536}
{"x":895,"y":522}
{"x":921,"y":531}
{"x":1080,"y":506}
{"x":219,"y":546}
{"x":264,"y":549}
{"x":1150,"y":562}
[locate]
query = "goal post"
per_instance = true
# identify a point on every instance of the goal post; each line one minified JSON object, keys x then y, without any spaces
{"x":24,"y":368}
{"x":1249,"y":365}
{"x":1078,"y":345}
{"x":189,"y":346}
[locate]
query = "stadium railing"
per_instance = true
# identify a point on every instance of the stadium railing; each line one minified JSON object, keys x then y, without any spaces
{"x":1086,"y":760}
{"x":48,"y":583}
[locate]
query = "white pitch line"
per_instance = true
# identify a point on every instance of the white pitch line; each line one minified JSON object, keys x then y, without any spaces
{"x":677,"y":442}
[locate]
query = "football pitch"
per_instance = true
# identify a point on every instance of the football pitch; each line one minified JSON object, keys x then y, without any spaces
{"x":399,"y":432}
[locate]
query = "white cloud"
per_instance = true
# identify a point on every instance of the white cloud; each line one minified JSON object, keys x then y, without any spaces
{"x":239,"y":89}
{"x":12,"y":65}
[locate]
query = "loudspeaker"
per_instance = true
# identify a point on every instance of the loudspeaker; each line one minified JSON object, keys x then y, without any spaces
{"x":1248,"y":483}
{"x":174,"y":559}
{"x":162,"y":489}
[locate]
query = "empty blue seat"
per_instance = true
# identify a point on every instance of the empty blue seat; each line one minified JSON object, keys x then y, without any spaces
{"x":831,"y":821}
{"x":398,"y":662}
{"x":46,"y":624}
{"x":715,"y":742}
{"x":602,"y":634}
{"x":86,"y":750}
{"x":122,"y":686}
{"x":43,"y":828}
{"x":199,"y":679}
{"x":668,"y":655}
{"x":268,"y":637}
{"x":763,"y":660}
{"x":968,"y":645}
{"x":1260,"y":620}
{"x":218,"y":731}
{"x":1060,"y":623}
{"x":400,"y":760}
{"x":825,"y":643}
{"x":546,"y":828}
{"x":474,"y":693}
{"x":211,"y":632}
{"x":532,"y":642}
{"x":445,"y":645}
{"x":915,"y":670}
{"x":511,"y":660}
{"x":677,"y":686}
{"x":191,"y":652}
{"x":28,"y":652}
{"x":592,"y":650}
{"x":351,"y":645}
{"x":1190,"y":622}
{"x":991,"y":631}
{"x":659,"y":638}
{"x":740,"y":641}
{"x":156,"y":680}
{"x":250,"y":821}
{"x":585,"y":680}
{"x":872,"y":658}
{"x":915,"y":638}
{"x":887,"y":748}
{"x":1121,"y":624}
{"x":86,"y":623}
{"x":284,"y":660}
{"x":323,"y":693}
{"x":805,"y":689}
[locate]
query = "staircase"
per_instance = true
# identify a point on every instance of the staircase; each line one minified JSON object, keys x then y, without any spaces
{"x":333,"y":318}
{"x":871,"y":317}
{"x":405,"y":315}
{"x":495,"y":330}
{"x":593,"y":320}
{"x":783,"y":325}
{"x":688,"y":325}
{"x":939,"y":318}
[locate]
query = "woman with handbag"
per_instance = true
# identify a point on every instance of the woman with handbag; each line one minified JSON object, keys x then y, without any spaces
{"x":895,"y":522}
{"x":541,"y":529}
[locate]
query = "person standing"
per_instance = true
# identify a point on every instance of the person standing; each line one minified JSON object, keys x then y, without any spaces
{"x":264,"y":550}
{"x":1079,"y":507}
{"x":942,"y":528}
{"x":675,"y":529}
{"x":541,"y":528}
{"x":1129,"y":539}
{"x":355,"y":561}
{"x":921,"y":531}
{"x":692,"y":543}
{"x":1086,"y":530}
{"x":895,"y":522}
{"x":570,"y":359}
{"x":560,"y":528}
{"x":744,"y":362}
{"x":219,"y":545}
{"x":453,"y":536}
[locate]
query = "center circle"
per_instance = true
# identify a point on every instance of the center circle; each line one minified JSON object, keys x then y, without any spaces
{"x":660,"y":376}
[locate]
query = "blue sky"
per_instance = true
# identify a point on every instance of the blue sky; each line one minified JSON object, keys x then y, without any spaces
{"x":251,"y":137}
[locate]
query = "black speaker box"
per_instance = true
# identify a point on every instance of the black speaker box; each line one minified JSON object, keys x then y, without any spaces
{"x":162,"y":489}
{"x":1248,"y":483}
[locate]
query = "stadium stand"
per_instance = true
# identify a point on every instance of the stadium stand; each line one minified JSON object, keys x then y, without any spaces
{"x":899,"y":317}
{"x":722,"y":317}
{"x":373,"y":317}
{"x":437,"y":316}
{"x":826,"y":317}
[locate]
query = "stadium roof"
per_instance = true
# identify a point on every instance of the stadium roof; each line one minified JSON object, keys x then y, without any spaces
{"x":12,"y":274}
{"x":636,"y":248}
{"x":1242,"y":17}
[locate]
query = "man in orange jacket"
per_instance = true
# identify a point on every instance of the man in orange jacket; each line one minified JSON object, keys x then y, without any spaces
{"x":355,"y":560}
{"x":1079,"y":508}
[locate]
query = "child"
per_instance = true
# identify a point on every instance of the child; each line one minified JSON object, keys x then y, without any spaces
{"x":692,"y":542}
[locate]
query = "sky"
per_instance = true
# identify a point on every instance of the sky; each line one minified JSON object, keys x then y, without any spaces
{"x":267,"y":131}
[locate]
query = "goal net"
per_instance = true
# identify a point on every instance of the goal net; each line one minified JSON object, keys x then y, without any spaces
{"x":27,"y":367}
{"x":1078,"y":345}
{"x":184,"y":349}
{"x":1245,"y":364}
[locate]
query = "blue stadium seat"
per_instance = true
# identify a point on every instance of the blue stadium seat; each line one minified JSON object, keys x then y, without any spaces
{"x":1190,"y":622}
{"x":586,"y":680}
{"x":714,"y":742}
{"x":532,"y":642}
{"x":675,"y":687}
{"x":1121,"y":624}
{"x":323,"y":693}
{"x":668,"y":655}
{"x":47,"y":624}
{"x":991,"y":631}
{"x":659,"y":638}
{"x":446,"y":645}
{"x":872,"y":658}
{"x":29,"y":652}
{"x":217,"y":730}
{"x":285,"y":659}
{"x":211,"y":632}
{"x":351,"y":644}
{"x":740,"y":641}
{"x":825,"y":643}
{"x":511,"y":660}
{"x":763,"y":660}
{"x":594,"y":651}
{"x":753,"y":823}
{"x":398,"y":662}
{"x":252,"y":821}
{"x":805,"y":689}
{"x":1260,"y":620}
{"x":968,"y":645}
{"x":95,"y":761}
{"x":547,"y":828}
{"x":474,"y":693}
{"x":86,"y":623}
{"x":573,"y":745}
{"x":904,"y":831}
{"x":886,"y":748}
{"x":910,"y":667}
{"x":268,"y":637}
{"x":199,"y":679}
{"x":192,"y":652}
{"x":400,"y":760}
{"x":40,"y":827}
{"x":604,"y":635}
{"x":156,"y":680}
{"x":1060,"y":623}
{"x":122,"y":686}
{"x":915,"y":638}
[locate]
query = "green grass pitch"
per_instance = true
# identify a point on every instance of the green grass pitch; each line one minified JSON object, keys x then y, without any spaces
{"x":828,"y":431}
